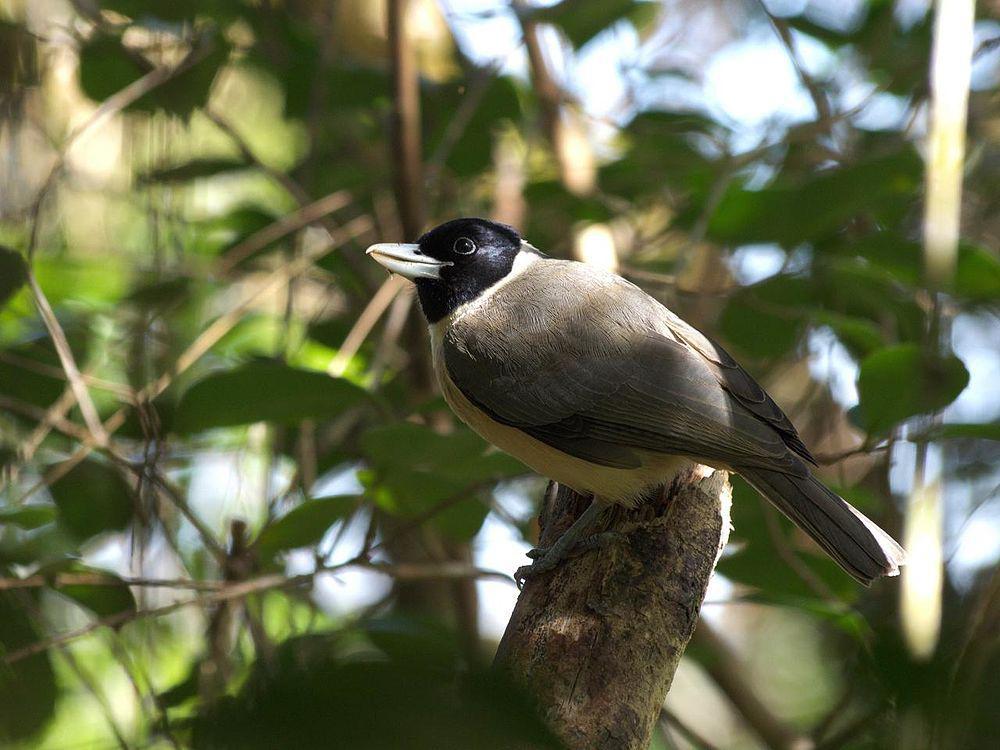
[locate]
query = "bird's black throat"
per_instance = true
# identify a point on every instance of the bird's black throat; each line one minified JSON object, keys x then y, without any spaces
{"x":440,"y":298}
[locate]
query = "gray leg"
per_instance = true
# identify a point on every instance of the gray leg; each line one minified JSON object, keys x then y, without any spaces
{"x":548,"y":559}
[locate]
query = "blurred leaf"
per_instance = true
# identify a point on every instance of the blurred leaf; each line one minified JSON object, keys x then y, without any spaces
{"x":860,"y":336}
{"x":181,"y":691}
{"x":263,"y":392}
{"x":411,"y":696}
{"x":901,"y":381}
{"x":419,"y":468}
{"x":101,"y":599}
{"x":791,"y":215}
{"x":107,"y":67}
{"x":92,"y":498}
{"x":160,"y":295}
{"x":27,"y":371}
{"x":189,"y":89}
{"x":472,"y":151}
{"x":18,"y":57}
{"x":582,"y":20}
{"x":462,"y":521}
{"x":192,"y":170}
{"x":767,"y":319}
{"x":27,"y":516}
{"x":303,"y":526}
{"x":977,"y":275}
{"x":13,"y":273}
{"x":28,"y":688}
{"x":857,"y":288}
{"x":969,"y":430}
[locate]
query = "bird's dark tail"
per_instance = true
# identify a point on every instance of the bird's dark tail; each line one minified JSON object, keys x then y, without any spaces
{"x":858,"y":545}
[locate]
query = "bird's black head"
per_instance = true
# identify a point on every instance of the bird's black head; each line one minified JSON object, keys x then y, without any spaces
{"x":453,"y":263}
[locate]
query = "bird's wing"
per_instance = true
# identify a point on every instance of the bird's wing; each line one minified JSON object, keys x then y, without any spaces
{"x":585,"y":362}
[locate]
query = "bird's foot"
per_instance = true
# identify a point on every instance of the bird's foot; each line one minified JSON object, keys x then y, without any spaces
{"x":549,"y":558}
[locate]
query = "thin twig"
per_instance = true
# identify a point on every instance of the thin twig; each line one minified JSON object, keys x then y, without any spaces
{"x":205,"y":341}
{"x":364,"y":324}
{"x":287,"y":224}
{"x":87,"y":407}
{"x":293,"y":188}
{"x":447,"y":570}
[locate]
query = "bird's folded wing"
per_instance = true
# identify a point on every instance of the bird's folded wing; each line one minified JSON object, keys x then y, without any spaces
{"x":601,"y":391}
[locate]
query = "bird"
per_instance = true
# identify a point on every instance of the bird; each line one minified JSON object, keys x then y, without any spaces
{"x":596,"y":385}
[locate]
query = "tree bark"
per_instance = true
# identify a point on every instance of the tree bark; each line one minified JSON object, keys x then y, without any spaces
{"x":597,"y":641}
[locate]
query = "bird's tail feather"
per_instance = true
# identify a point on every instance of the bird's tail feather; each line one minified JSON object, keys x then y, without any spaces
{"x":857,"y":544}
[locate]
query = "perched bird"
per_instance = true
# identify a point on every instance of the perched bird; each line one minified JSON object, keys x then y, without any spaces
{"x":591,"y":382}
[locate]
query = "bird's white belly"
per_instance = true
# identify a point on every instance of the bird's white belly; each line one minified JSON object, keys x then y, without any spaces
{"x":622,"y":486}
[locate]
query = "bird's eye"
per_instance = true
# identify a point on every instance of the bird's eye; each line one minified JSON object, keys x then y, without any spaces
{"x":464,"y":246}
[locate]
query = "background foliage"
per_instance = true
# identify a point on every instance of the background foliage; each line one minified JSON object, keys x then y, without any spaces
{"x":235,"y":513}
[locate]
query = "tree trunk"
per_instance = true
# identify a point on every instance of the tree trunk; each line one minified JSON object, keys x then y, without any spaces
{"x":598,"y":640}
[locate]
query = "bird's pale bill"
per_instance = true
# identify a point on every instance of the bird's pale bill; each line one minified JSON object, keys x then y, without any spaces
{"x":407,"y":260}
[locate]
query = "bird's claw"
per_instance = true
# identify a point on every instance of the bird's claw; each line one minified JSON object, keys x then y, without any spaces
{"x":526,"y":572}
{"x":537,"y":553}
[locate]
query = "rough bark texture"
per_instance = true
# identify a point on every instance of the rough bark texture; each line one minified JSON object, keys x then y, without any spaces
{"x":597,"y":641}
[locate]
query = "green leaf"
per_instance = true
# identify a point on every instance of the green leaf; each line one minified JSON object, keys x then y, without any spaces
{"x":304,"y":526}
{"x":92,"y":498}
{"x":417,"y":468}
{"x":104,"y":600}
{"x":582,"y":20}
{"x":28,"y":516}
{"x":901,"y":381}
{"x":767,"y":319}
{"x":105,"y":67}
{"x":28,"y":372}
{"x":472,"y":152}
{"x":27,"y":687}
{"x":977,"y":275}
{"x":193,"y":169}
{"x":818,"y":207}
{"x":13,"y":273}
{"x":860,"y":336}
{"x":968,"y":431}
{"x":263,"y":392}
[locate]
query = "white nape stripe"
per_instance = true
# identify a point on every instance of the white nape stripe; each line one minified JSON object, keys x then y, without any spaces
{"x":525,"y":258}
